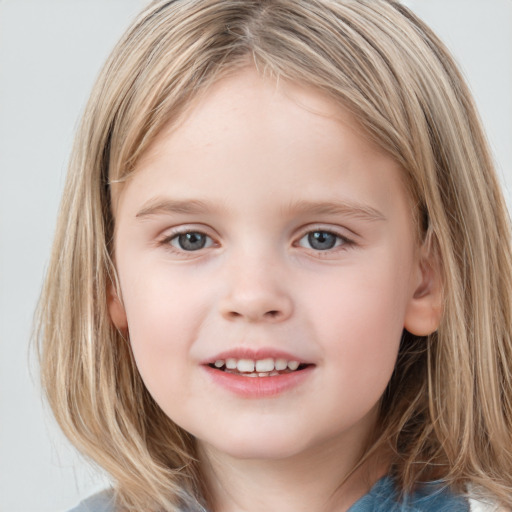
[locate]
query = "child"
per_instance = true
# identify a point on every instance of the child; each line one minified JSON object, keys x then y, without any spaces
{"x":282,"y":275}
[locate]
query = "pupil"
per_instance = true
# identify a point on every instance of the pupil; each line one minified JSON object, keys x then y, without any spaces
{"x":192,"y":241}
{"x":321,"y":240}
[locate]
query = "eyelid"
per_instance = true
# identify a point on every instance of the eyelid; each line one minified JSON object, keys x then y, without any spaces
{"x":172,"y":231}
{"x":340,"y":231}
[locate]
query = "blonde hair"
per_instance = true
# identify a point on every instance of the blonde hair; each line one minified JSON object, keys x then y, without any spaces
{"x":447,"y":412}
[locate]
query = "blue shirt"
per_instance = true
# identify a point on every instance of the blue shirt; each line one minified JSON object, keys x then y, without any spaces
{"x":383,"y":497}
{"x":432,"y":497}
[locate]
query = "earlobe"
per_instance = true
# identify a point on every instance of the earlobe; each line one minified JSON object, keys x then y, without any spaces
{"x":116,"y":310}
{"x":425,"y":308}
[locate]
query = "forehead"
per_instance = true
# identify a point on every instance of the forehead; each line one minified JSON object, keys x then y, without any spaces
{"x":256,"y":135}
{"x":245,"y":104}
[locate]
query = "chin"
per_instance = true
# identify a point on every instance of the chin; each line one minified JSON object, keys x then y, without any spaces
{"x":257,"y":445}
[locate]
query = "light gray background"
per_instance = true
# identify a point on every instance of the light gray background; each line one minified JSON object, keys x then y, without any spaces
{"x":50,"y":52}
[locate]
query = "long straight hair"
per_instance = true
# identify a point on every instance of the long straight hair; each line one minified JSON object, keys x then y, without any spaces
{"x":447,"y":412}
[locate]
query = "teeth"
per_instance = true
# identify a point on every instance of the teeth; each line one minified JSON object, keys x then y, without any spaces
{"x":281,"y":364}
{"x":265,"y":365}
{"x":245,"y":365}
{"x":231,"y":364}
{"x":261,"y":367}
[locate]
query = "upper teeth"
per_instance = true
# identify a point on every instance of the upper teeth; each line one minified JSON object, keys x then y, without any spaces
{"x":260,"y":365}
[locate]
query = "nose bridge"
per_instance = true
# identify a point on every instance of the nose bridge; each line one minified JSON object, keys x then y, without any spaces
{"x":256,"y":289}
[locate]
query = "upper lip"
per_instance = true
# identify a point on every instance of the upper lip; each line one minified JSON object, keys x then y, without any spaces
{"x":254,"y":354}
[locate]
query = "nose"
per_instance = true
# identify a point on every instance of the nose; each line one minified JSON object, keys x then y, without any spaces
{"x":256,"y":292}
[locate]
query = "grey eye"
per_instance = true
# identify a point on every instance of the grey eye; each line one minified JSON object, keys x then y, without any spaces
{"x":191,"y":241}
{"x":320,"y":240}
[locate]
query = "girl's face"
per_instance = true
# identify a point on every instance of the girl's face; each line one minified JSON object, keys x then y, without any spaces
{"x":266,"y":232}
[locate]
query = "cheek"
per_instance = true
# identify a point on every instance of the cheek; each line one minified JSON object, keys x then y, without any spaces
{"x":358,"y":300}
{"x":163,"y":316}
{"x":360,"y":320}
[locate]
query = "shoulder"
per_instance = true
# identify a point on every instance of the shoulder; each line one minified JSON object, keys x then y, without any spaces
{"x":101,"y":502}
{"x":432,"y":497}
{"x":438,"y":497}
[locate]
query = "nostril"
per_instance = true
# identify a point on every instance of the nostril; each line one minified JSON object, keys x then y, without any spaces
{"x":269,"y":314}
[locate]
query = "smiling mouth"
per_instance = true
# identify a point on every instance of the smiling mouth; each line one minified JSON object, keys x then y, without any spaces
{"x":268,"y":367}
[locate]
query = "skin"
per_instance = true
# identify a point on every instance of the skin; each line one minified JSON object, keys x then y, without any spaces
{"x":258,"y":156}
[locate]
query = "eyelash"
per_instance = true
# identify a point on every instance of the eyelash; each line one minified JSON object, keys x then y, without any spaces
{"x":167,"y":241}
{"x":341,"y":242}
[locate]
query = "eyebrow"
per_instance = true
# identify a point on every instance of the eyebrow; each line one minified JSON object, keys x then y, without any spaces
{"x":162,"y":206}
{"x":159,"y":206}
{"x":347,"y":209}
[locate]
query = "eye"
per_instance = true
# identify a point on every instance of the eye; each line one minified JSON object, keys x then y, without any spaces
{"x":322,"y":240}
{"x":190,"y":241}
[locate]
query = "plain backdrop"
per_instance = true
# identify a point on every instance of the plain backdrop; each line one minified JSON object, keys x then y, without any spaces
{"x":50,"y":53}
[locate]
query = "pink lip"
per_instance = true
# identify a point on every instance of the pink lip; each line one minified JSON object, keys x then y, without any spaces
{"x":256,"y":387}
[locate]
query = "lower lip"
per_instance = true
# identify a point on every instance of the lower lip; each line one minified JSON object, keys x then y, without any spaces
{"x":258,"y":387}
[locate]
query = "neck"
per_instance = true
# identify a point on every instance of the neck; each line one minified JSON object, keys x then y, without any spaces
{"x":321,"y":481}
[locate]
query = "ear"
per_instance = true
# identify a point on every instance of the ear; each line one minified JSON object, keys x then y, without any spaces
{"x":425,"y":308}
{"x":116,"y":310}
